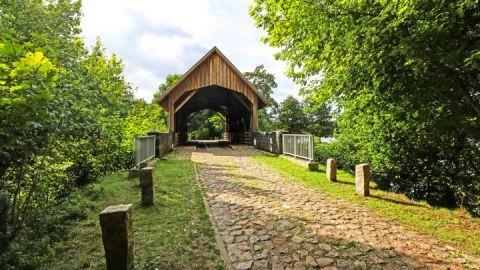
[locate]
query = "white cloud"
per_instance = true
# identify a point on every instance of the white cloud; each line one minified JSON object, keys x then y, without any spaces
{"x":156,"y":38}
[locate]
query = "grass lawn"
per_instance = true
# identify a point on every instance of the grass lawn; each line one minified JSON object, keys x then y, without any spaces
{"x":451,"y":226}
{"x":175,"y":233}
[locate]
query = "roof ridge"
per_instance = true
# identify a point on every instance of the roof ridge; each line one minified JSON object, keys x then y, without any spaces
{"x":199,"y":62}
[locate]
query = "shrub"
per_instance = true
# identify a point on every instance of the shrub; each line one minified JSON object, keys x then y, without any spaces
{"x":342,"y":150}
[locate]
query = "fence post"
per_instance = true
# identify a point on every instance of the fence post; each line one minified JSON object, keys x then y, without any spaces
{"x":117,"y":236}
{"x":295,"y":145}
{"x":362,"y":179}
{"x":311,"y":148}
{"x":148,"y":186}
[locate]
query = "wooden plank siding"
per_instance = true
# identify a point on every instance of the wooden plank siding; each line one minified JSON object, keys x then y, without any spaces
{"x":212,"y":69}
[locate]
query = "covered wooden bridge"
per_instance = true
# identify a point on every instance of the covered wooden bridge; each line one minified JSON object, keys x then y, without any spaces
{"x":214,"y":83}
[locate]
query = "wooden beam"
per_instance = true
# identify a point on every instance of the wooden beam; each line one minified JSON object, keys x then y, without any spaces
{"x":247,"y":106}
{"x":221,"y":116}
{"x":185,"y":100}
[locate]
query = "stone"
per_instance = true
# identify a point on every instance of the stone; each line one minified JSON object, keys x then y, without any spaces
{"x":360,"y":264}
{"x":253,"y":239}
{"x":260,"y":264}
{"x":313,"y":166}
{"x":117,"y":236}
{"x":310,"y":261}
{"x":264,"y":237}
{"x":277,"y":266}
{"x":236,"y":233}
{"x":297,"y":239}
{"x":362,"y":179}
{"x":241,"y":238}
{"x":147,"y":185}
{"x":322,"y":262}
{"x":331,"y":170}
{"x":299,"y":266}
{"x":261,"y":255}
{"x":244,"y":265}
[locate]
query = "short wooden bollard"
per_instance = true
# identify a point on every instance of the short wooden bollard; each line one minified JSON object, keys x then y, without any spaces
{"x":117,"y":236}
{"x":313,"y":166}
{"x":362,"y":179}
{"x":148,"y":186}
{"x":331,"y":170}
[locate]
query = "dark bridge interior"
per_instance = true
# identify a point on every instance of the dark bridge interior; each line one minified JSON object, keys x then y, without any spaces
{"x":234,"y":106}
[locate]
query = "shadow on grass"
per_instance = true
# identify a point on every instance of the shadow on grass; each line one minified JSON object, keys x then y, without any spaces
{"x":344,"y":182}
{"x":398,"y":202}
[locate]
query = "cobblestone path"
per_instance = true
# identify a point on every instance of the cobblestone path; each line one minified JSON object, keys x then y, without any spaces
{"x":268,"y":222}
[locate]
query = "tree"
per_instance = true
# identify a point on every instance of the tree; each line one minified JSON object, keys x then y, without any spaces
{"x":404,"y":76}
{"x":205,"y":125}
{"x":319,"y":119}
{"x":64,"y":114}
{"x":290,"y":115}
{"x":265,"y":83}
{"x":170,"y":80}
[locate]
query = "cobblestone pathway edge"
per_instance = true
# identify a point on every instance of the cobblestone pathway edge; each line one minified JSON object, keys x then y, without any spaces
{"x":218,"y":239}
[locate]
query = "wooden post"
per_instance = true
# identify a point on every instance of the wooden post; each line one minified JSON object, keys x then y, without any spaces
{"x":255,"y":115}
{"x":117,"y":236}
{"x":362,"y":179}
{"x":148,"y":186}
{"x":331,"y":170}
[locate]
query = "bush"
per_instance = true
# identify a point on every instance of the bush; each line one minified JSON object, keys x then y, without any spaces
{"x":5,"y":232}
{"x":37,"y":240}
{"x":342,"y":150}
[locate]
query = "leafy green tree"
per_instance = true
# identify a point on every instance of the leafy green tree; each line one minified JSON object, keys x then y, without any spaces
{"x":319,"y":119}
{"x":65,"y":114}
{"x":404,"y":76}
{"x":205,"y":125}
{"x":265,"y":83}
{"x":291,"y":116}
{"x":170,"y":80}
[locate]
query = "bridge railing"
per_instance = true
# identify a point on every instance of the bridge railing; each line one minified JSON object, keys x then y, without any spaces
{"x":298,"y":145}
{"x":144,"y":148}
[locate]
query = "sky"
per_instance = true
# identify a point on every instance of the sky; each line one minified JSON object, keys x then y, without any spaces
{"x":156,"y":37}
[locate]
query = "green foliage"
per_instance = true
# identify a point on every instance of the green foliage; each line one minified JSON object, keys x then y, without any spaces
{"x":169,"y":81}
{"x":265,"y":83}
{"x":67,"y":116}
{"x":342,"y":150}
{"x":205,"y":125}
{"x":5,"y":230}
{"x":291,"y":116}
{"x":39,"y":240}
{"x":142,"y":118}
{"x":403,"y":75}
{"x":319,"y":120}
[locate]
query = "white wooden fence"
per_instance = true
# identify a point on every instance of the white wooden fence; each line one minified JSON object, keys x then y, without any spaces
{"x":298,"y":145}
{"x":144,"y":148}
